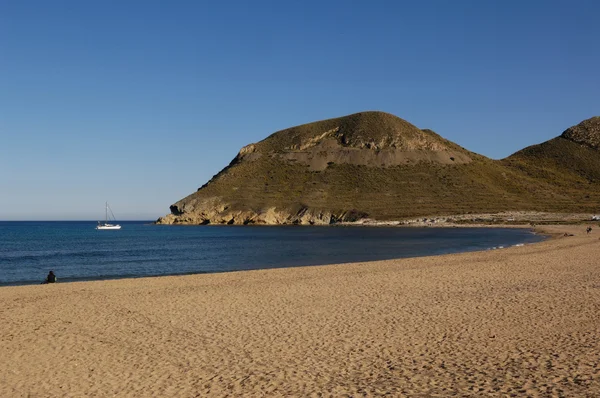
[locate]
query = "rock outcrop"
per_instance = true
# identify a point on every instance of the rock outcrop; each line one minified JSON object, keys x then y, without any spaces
{"x":222,"y":214}
{"x":586,"y":133}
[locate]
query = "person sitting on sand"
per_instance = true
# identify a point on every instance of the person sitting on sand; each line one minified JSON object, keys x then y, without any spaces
{"x":51,"y":278}
{"x":588,"y":230}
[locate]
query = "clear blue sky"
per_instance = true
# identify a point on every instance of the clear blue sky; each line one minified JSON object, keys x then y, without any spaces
{"x":141,"y":102}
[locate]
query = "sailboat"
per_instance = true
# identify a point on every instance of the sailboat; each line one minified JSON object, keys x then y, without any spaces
{"x":105,"y":224}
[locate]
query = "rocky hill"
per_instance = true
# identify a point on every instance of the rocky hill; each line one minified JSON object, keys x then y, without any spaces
{"x":569,"y":163}
{"x":376,"y":165}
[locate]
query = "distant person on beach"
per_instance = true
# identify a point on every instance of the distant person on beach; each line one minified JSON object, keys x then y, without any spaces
{"x":51,"y":278}
{"x":588,"y":230}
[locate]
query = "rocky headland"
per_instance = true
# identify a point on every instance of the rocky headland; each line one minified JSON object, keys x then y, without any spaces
{"x":374,"y":167}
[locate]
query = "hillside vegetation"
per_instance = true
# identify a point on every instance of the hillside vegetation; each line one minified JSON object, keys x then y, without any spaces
{"x":376,"y":165}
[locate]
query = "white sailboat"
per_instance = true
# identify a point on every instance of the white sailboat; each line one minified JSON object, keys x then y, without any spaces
{"x":106,"y":224}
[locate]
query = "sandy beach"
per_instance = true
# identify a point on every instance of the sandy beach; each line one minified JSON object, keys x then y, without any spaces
{"x":520,"y":321}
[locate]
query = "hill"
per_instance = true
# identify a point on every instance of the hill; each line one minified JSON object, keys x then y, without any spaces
{"x":376,"y":165}
{"x":568,"y":165}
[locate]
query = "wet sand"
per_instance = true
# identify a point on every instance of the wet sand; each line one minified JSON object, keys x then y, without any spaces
{"x":520,"y":321}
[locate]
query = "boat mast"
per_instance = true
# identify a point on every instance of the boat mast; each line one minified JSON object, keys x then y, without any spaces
{"x":106,"y":215}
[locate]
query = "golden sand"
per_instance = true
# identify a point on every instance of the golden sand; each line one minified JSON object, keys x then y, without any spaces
{"x":521,"y":321}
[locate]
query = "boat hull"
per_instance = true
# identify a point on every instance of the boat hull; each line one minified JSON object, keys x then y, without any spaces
{"x":108,"y":226}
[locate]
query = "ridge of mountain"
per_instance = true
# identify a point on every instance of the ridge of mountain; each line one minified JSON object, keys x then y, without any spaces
{"x":568,"y":160}
{"x":374,"y":164}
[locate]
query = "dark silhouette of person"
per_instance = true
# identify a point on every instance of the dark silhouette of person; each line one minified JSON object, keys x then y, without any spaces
{"x":588,"y":230}
{"x":51,"y":278}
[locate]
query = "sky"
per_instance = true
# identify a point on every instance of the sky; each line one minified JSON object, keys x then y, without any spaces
{"x":139,"y":103}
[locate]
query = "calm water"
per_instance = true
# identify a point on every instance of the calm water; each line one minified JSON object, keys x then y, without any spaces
{"x":76,"y":251}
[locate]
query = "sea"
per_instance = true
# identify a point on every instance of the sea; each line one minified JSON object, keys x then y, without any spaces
{"x":76,"y":251}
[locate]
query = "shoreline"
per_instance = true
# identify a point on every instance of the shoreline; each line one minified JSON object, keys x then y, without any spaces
{"x":517,"y":321}
{"x":505,"y":218}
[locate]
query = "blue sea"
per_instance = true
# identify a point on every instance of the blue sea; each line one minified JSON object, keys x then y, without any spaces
{"x":76,"y":251}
